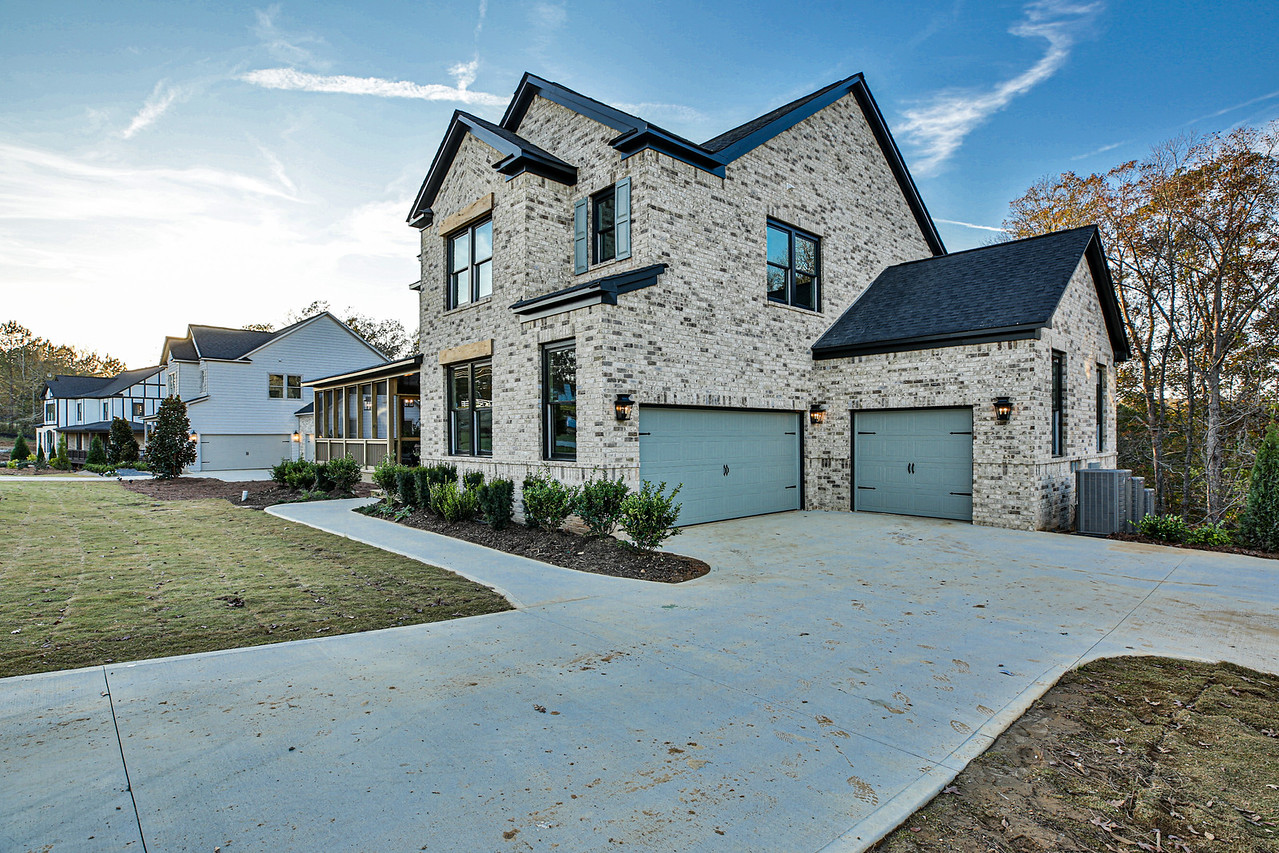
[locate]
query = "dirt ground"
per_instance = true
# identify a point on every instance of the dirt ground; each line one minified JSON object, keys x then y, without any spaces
{"x":606,"y":556}
{"x":262,"y":493}
{"x":1124,"y":754}
{"x":1221,"y":549}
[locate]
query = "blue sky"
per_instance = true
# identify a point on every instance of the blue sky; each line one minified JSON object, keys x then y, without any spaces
{"x":177,"y":162}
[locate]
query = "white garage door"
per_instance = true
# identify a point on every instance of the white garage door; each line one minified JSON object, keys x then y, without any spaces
{"x":233,"y":452}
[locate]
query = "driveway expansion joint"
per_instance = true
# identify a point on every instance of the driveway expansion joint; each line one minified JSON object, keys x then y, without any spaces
{"x":128,"y":781}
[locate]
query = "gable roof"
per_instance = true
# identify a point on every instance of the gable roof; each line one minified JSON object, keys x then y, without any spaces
{"x":224,"y":344}
{"x":64,"y":386}
{"x":1007,"y":291}
{"x":636,"y":134}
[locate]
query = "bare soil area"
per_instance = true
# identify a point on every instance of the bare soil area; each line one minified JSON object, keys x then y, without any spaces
{"x":1123,"y":754}
{"x":262,"y":493}
{"x":1222,"y":549}
{"x":604,"y":556}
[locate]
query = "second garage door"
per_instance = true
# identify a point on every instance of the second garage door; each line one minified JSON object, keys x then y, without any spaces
{"x":731,"y":463}
{"x":914,"y":462}
{"x":231,"y":452}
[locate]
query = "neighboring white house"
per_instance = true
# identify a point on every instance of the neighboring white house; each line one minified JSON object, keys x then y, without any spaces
{"x":243,"y":387}
{"x":80,"y":407}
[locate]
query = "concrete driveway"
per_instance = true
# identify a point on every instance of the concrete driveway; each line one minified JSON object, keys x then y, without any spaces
{"x":829,"y":675}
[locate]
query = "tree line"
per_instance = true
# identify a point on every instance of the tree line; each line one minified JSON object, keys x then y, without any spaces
{"x":27,"y":361}
{"x":1192,"y":238}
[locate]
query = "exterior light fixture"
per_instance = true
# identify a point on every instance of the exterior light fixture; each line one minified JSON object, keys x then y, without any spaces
{"x":194,"y":437}
{"x":816,"y":414}
{"x":297,"y":437}
{"x":1003,"y":409}
{"x":623,"y":406}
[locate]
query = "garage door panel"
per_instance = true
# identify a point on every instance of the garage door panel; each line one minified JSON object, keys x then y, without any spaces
{"x":693,"y":446}
{"x":232,"y":452}
{"x":914,"y":462}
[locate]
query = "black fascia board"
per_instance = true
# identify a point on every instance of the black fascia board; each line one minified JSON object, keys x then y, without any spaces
{"x":977,"y":336}
{"x":785,"y":122}
{"x":634,"y":141}
{"x":1100,"y":269}
{"x":517,"y":164}
{"x":607,"y":289}
{"x":531,"y":85}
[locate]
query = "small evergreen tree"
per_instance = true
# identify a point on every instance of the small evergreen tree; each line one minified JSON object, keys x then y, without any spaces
{"x":97,"y":452}
{"x":61,"y":461}
{"x":41,"y":462}
{"x":170,"y":448}
{"x":1260,"y":523}
{"x":20,"y":452}
{"x":122,"y":447}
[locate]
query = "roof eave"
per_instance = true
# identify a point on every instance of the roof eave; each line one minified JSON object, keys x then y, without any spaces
{"x":1019,"y":332}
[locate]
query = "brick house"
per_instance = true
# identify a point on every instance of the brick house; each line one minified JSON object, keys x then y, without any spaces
{"x":768,"y":318}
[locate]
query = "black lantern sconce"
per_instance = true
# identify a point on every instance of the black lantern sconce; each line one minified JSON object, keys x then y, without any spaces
{"x":623,"y":406}
{"x":816,"y":414}
{"x":1003,"y":409}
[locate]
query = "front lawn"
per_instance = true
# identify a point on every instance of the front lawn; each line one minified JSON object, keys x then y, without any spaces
{"x":93,"y":574}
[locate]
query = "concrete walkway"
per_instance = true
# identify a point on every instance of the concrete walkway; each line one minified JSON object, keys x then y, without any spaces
{"x":829,"y":675}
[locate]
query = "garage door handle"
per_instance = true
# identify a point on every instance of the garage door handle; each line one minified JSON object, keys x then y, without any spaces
{"x":963,"y":494}
{"x":792,"y":487}
{"x":725,"y":470}
{"x":867,"y":488}
{"x":910,"y":467}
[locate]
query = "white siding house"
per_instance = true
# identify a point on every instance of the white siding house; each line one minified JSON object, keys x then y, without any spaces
{"x":79,"y":407}
{"x":244,"y":387}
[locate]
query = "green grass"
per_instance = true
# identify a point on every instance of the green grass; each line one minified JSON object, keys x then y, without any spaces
{"x":92,"y":574}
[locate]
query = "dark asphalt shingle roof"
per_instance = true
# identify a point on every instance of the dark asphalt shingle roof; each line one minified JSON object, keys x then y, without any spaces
{"x":728,"y":137}
{"x":64,"y":386}
{"x":1008,"y":286}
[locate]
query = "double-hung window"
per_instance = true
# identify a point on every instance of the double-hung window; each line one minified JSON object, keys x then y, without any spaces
{"x":602,"y":227}
{"x":470,"y":264}
{"x":1059,"y":403}
{"x":280,"y":386}
{"x":794,"y":266}
{"x":471,"y":409}
{"x":1101,"y":407}
{"x":106,"y":411}
{"x":559,"y":400}
{"x":50,"y":412}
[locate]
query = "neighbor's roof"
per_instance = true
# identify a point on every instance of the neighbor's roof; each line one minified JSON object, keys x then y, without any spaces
{"x":225,"y":344}
{"x":1007,"y":291}
{"x":99,"y":426}
{"x":64,"y":386}
{"x":635,"y":134}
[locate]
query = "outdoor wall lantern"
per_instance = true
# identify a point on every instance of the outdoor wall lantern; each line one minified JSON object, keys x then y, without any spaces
{"x":1003,"y":409}
{"x":623,"y":406}
{"x":816,"y":414}
{"x":195,"y":437}
{"x":297,"y":437}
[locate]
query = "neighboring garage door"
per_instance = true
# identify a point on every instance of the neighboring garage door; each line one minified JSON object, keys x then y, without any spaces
{"x":914,"y":462}
{"x":731,"y":463}
{"x":231,"y":452}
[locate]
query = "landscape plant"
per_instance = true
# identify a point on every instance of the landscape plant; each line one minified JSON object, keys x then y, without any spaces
{"x":1165,"y":528}
{"x":300,"y":474}
{"x":599,"y":505}
{"x":473,"y":479}
{"x":406,"y":487}
{"x":1259,"y":525}
{"x":41,"y":462}
{"x":453,"y":503}
{"x":61,"y":461}
{"x":547,"y":502}
{"x":649,"y":515}
{"x":1209,"y":534}
{"x":496,"y":501}
{"x":170,"y":448}
{"x":343,"y":473}
{"x":386,"y":475}
{"x":97,"y":452}
{"x":280,"y":472}
{"x":122,"y":447}
{"x":20,"y":452}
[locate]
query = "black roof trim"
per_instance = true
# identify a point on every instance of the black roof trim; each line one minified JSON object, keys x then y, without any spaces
{"x":383,"y":369}
{"x":601,"y":290}
{"x":519,"y":156}
{"x":308,"y":409}
{"x":985,"y":336}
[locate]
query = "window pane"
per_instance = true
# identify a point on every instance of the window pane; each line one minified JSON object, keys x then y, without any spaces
{"x":484,"y":432}
{"x":275,"y":385}
{"x":461,"y":387}
{"x":484,"y":241}
{"x":805,"y":255}
{"x":460,"y":251}
{"x":484,"y":280}
{"x":560,"y":396}
{"x":605,"y":213}
{"x":483,"y":385}
{"x":776,"y":283}
{"x":410,"y":417}
{"x":366,"y":413}
{"x":608,"y":246}
{"x":461,"y":422}
{"x":778,"y":247}
{"x":805,"y":290}
{"x":564,"y":430}
{"x":462,"y":287}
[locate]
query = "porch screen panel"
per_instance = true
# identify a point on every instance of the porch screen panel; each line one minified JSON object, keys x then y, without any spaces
{"x":381,"y":427}
{"x":352,"y":414}
{"x":366,"y":411}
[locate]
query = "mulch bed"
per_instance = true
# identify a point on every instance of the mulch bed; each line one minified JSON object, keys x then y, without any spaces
{"x":1221,"y":549}
{"x":262,"y":493}
{"x":606,"y":556}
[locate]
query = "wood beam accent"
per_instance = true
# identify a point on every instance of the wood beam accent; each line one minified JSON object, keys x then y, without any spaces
{"x":480,"y":207}
{"x":467,"y":352}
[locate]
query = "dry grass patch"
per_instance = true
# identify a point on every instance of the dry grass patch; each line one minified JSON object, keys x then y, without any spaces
{"x":1131,"y":754}
{"x":93,"y":574}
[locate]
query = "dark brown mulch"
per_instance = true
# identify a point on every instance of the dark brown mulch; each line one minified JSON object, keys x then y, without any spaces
{"x":1221,"y":549}
{"x":262,"y":493}
{"x":606,"y":556}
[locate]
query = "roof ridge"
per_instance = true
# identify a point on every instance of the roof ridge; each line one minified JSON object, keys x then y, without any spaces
{"x":778,"y":112}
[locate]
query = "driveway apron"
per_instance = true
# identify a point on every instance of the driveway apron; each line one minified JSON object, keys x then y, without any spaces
{"x":830,"y":675}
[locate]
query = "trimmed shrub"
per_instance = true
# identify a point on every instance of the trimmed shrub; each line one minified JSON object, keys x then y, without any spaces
{"x":473,"y":480}
{"x":1209,"y":534}
{"x":1165,"y":528}
{"x":97,"y":452}
{"x":599,"y":505}
{"x":323,"y":479}
{"x":422,"y":489}
{"x":20,"y":452}
{"x":170,"y":448}
{"x":649,"y":516}
{"x":122,"y":447}
{"x":105,"y":468}
{"x":386,"y":476}
{"x":61,"y":461}
{"x":1259,"y":525}
{"x":280,"y":471}
{"x":547,"y":502}
{"x":441,"y":473}
{"x":455,"y":504}
{"x":344,"y":473}
{"x":497,"y":502}
{"x":41,"y":462}
{"x":406,"y":487}
{"x":300,"y":475}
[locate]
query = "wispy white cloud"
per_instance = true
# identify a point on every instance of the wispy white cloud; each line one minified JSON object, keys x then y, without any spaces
{"x":289,"y":47}
{"x":1230,"y":109}
{"x":1102,"y":150}
{"x":463,"y":73}
{"x":288,"y":78}
{"x":971,"y":225}
{"x":161,"y":98}
{"x":937,"y":128}
{"x":545,"y":19}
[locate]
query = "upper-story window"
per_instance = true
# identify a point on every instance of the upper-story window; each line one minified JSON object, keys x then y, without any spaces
{"x":79,"y":413}
{"x":602,"y":226}
{"x":171,"y":379}
{"x":470,"y":264}
{"x":281,"y":387}
{"x":50,"y":412}
{"x":794,"y":266}
{"x":1059,"y":403}
{"x":106,"y":411}
{"x":138,"y":410}
{"x":204,"y":379}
